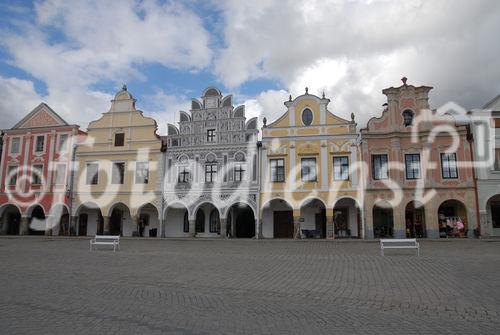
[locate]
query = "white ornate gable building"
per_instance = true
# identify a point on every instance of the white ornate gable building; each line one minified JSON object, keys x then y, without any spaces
{"x":211,"y":178}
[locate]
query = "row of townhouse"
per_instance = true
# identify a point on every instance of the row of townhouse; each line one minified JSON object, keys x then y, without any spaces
{"x":411,"y":172}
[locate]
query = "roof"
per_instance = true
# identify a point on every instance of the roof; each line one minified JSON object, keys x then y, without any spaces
{"x":493,"y":104}
{"x":46,"y":117}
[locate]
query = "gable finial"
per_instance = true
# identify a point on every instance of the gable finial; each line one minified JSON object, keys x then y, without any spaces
{"x":352,"y":117}
{"x":404,"y":79}
{"x":290,"y":98}
{"x":323,"y":94}
{"x":124,"y":87}
{"x":264,"y":121}
{"x":307,"y":90}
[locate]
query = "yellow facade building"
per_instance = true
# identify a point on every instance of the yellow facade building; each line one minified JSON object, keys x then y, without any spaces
{"x":310,"y":163}
{"x":117,"y":184}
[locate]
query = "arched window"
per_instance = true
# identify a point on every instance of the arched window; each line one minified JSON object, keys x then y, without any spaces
{"x":307,"y":117}
{"x":186,"y":223}
{"x":214,"y":221}
{"x":200,"y":222}
{"x":407,"y":118}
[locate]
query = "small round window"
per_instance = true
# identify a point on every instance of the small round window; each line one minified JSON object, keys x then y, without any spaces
{"x":307,"y":117}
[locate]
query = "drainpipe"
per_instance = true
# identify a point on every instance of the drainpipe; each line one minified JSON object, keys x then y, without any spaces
{"x":71,"y":180}
{"x":470,"y":139}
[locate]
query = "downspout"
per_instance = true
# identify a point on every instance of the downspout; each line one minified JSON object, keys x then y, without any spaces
{"x":470,"y":139}
{"x":71,"y":180}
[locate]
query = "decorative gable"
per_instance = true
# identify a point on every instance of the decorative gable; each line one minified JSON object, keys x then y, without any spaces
{"x":41,"y":116}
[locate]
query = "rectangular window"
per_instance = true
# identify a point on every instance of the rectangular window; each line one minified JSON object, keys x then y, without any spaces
{"x":184,"y":175}
{"x":277,"y":170}
{"x":39,"y":143}
{"x":62,"y":145}
{"x":211,"y":135}
{"x":118,"y":173}
{"x":15,"y":146}
{"x":380,"y":167}
{"x":12,"y":174}
{"x":239,"y":172}
{"x":308,"y":169}
{"x":60,"y":177}
{"x":341,"y":168}
{"x":141,"y":172}
{"x":210,"y":173}
{"x":92,"y":173}
{"x":412,"y":162}
{"x":119,"y":139}
{"x":497,"y":160}
{"x":36,"y":174}
{"x":449,"y":166}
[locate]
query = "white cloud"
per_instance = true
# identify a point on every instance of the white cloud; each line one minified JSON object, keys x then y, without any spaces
{"x":164,"y":108}
{"x":354,"y":49}
{"x":17,"y":98}
{"x":268,"y":104}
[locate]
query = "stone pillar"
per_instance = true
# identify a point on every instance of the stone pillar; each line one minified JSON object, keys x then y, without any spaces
{"x":330,"y":229}
{"x":431,"y":220}
{"x":49,"y":223}
{"x":106,"y":227}
{"x":368,"y":224}
{"x":223,"y":230}
{"x":484,"y":223}
{"x":192,"y":228}
{"x":399,"y":222}
{"x":135,"y":226}
{"x":296,"y":227}
{"x":25,"y":224}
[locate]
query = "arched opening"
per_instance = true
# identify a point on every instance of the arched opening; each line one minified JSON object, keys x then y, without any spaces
{"x":60,"y":220}
{"x":37,"y":223}
{"x":147,"y":221}
{"x":347,"y":218}
{"x":493,"y":208}
{"x":90,"y":221}
{"x":383,"y":222}
{"x":10,"y":220}
{"x":240,"y":221}
{"x":452,"y":219}
{"x":415,"y":220}
{"x":120,"y":222}
{"x":277,"y":219}
{"x":176,"y":221}
{"x":207,"y":220}
{"x":313,"y":219}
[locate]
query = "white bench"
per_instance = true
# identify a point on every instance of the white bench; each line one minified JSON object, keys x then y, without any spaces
{"x":401,"y":243}
{"x":113,"y":240}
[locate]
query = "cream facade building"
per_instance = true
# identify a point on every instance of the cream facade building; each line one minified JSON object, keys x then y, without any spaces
{"x":310,"y":173}
{"x":117,"y":188}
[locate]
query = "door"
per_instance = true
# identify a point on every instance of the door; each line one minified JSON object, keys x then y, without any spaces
{"x":495,"y":218}
{"x":321,"y":224}
{"x":283,"y":224}
{"x":82,"y":225}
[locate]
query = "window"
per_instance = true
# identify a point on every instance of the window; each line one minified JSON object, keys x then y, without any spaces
{"x":277,"y":170}
{"x":63,"y":143}
{"x":118,"y":173}
{"x":119,"y":139}
{"x":380,"y":167}
{"x":308,"y":169}
{"x":307,"y":117}
{"x":39,"y":143}
{"x":36,"y":174}
{"x":141,"y":172}
{"x":407,"y":118}
{"x":184,"y":175}
{"x":211,"y":135}
{"x":15,"y":146}
{"x":497,"y":160}
{"x":341,"y":168}
{"x":12,"y":174}
{"x":210,"y":173}
{"x":214,"y":221}
{"x":449,"y":166}
{"x":185,"y":226}
{"x":92,"y":173}
{"x":239,"y":172}
{"x":412,"y":162}
{"x":60,"y":175}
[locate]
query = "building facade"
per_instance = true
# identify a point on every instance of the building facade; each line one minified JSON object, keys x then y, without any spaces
{"x":419,"y":179}
{"x":485,"y":125}
{"x":117,"y":188}
{"x":310,"y":173}
{"x":35,"y":174}
{"x":211,"y":184}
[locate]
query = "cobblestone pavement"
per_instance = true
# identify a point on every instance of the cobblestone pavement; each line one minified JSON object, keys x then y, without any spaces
{"x":56,"y":286}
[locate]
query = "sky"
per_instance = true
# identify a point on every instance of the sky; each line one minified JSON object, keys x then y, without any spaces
{"x":76,"y":55}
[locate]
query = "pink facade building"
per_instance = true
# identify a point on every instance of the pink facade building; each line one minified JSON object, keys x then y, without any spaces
{"x":35,"y":174}
{"x":418,"y":177}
